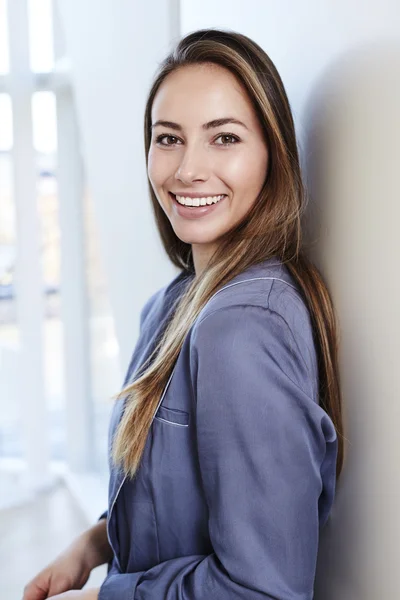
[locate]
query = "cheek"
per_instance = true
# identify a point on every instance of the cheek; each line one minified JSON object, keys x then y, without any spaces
{"x":152,"y":167}
{"x":160,"y":166}
{"x":252,"y":169}
{"x":231,"y":169}
{"x":244,"y":172}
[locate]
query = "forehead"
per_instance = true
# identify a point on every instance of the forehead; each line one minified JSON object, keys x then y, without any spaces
{"x":200,"y":93}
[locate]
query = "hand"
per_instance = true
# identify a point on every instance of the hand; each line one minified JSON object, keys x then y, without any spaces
{"x":68,"y":571}
{"x":89,"y":594}
{"x":71,"y":569}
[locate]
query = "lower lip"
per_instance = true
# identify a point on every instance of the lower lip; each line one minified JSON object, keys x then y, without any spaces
{"x":194,"y":212}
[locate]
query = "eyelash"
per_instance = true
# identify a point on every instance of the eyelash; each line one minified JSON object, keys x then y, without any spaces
{"x":163,"y":135}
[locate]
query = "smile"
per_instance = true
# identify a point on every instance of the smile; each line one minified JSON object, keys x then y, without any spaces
{"x":194,"y":208}
{"x":200,"y":201}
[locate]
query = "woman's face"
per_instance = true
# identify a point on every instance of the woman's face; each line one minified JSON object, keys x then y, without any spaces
{"x":194,"y":154}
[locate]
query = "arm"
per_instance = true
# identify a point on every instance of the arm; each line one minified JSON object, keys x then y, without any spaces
{"x":263,"y":443}
{"x":96,"y":545}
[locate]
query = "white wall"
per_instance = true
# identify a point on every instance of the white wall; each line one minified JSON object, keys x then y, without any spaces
{"x":302,"y":38}
{"x":355,"y":137}
{"x":114,"y":49}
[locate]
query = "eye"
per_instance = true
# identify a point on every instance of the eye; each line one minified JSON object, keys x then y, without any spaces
{"x":230,"y":137}
{"x":168,"y":136}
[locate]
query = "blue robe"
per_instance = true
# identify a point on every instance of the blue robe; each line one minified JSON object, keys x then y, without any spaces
{"x":238,"y":473}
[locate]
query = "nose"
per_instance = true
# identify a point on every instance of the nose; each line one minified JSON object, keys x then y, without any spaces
{"x":193,"y":165}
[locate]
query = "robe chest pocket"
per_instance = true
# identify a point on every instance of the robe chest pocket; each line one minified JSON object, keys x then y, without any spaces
{"x":172,"y":416}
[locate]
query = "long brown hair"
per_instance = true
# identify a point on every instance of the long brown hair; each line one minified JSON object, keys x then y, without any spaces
{"x":272,"y":227}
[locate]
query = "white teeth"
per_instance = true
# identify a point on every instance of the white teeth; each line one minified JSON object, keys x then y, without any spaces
{"x":198,"y":201}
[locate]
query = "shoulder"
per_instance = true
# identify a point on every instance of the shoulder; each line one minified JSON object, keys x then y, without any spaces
{"x":261,"y":315}
{"x":158,"y":300}
{"x":267,"y":285}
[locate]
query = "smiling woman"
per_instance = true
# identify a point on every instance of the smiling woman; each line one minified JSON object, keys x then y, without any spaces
{"x":226,"y":440}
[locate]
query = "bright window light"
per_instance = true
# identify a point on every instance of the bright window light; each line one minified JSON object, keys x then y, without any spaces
{"x":41,"y":35}
{"x":6,"y":130}
{"x":4,"y":58}
{"x":44,"y":122}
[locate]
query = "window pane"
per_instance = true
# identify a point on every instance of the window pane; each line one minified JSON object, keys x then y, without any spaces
{"x":7,"y":209}
{"x":4,"y":58}
{"x":10,"y":425}
{"x":6,"y":134}
{"x":41,"y":35}
{"x":48,"y":208}
{"x":44,"y":122}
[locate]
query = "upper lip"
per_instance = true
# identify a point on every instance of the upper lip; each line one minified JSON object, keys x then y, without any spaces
{"x":195,"y":194}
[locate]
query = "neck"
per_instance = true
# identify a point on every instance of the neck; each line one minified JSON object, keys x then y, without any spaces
{"x":201,"y":256}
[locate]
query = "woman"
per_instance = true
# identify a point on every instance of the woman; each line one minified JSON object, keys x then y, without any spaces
{"x":226,"y":440}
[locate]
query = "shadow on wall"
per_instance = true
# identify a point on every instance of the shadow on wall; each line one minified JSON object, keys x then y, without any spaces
{"x":351,"y":158}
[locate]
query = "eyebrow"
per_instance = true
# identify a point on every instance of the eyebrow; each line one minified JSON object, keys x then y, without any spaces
{"x":206,"y":126}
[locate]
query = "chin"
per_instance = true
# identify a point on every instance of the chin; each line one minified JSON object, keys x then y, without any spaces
{"x":192,"y":238}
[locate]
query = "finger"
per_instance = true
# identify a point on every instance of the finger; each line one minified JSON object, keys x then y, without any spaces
{"x":34,"y":591}
{"x":58,"y":585}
